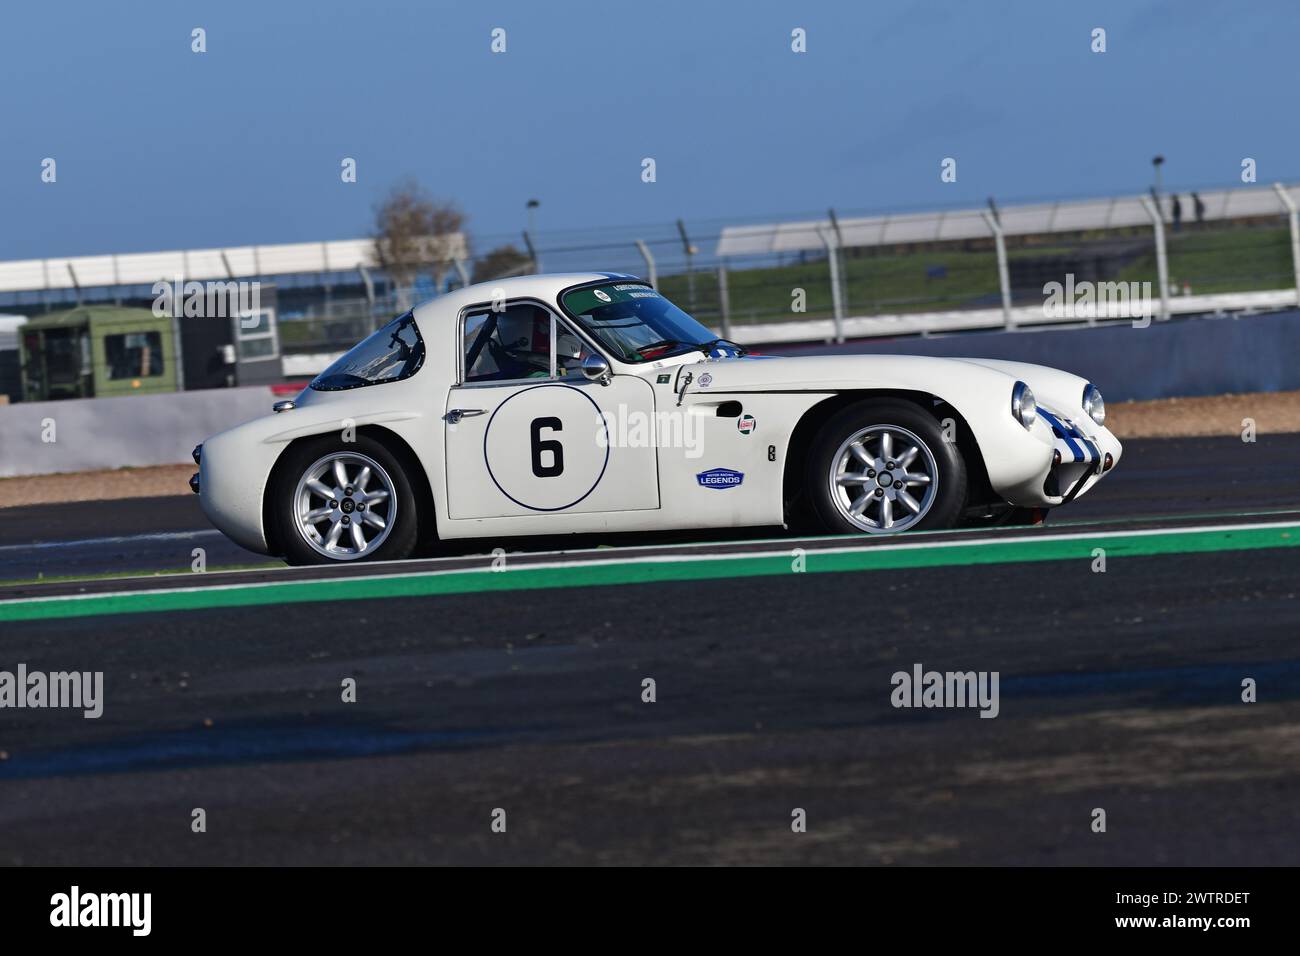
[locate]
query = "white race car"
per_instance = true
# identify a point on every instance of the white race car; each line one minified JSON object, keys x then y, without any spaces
{"x":589,"y":403}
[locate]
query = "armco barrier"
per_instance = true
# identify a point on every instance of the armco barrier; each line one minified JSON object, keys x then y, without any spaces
{"x":132,"y":431}
{"x":1182,"y":357}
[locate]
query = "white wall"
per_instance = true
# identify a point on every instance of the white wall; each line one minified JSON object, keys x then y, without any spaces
{"x":132,"y":431}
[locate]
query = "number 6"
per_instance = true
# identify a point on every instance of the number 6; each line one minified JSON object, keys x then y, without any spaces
{"x":552,"y":445}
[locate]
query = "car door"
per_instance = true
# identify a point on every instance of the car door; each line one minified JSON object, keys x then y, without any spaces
{"x":528,"y":434}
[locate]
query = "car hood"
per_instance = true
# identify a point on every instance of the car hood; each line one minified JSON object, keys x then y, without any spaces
{"x":950,"y":379}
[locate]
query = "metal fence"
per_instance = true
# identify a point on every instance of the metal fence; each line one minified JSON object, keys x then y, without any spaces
{"x":943,"y":270}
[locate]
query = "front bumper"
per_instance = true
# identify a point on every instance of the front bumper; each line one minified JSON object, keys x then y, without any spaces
{"x":233,"y":470}
{"x":1080,"y":458}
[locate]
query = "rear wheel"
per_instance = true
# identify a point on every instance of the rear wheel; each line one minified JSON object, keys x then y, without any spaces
{"x":882,"y":466}
{"x":343,"y":501}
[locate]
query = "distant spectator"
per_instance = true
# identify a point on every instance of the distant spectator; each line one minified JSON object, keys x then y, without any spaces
{"x":1200,"y":209}
{"x":1177,"y":209}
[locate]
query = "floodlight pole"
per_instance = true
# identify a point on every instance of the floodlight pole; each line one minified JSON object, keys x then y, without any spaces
{"x":1294,"y":219}
{"x":651,"y":272}
{"x":832,"y":257}
{"x":532,"y":207}
{"x":1162,"y":261}
{"x":994,"y":222}
{"x":532,"y":253}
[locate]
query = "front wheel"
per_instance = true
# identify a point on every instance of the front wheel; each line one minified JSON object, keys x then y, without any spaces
{"x":343,"y":501}
{"x":883,"y":466}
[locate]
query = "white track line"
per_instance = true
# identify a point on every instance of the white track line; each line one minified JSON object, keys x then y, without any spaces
{"x":122,"y":539}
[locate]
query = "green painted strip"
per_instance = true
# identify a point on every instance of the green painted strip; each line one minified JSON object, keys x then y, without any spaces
{"x":640,"y":571}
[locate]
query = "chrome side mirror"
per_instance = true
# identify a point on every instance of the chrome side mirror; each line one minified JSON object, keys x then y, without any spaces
{"x":596,"y":368}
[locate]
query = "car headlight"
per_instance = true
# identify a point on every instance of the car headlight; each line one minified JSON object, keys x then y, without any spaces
{"x":1093,"y":404}
{"x":1023,"y":407}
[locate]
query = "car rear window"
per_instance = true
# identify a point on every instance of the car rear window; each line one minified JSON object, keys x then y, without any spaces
{"x":390,"y":354}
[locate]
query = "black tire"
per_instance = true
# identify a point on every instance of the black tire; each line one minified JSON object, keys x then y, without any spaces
{"x":401,"y":539}
{"x":944,"y":508}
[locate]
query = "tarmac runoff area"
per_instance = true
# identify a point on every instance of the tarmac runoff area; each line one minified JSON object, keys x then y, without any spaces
{"x":523,"y":689}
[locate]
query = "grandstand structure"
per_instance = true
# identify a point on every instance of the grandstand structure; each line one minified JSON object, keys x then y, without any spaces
{"x":306,"y":275}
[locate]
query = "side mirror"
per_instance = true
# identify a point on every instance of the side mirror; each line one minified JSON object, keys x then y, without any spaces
{"x":596,"y":368}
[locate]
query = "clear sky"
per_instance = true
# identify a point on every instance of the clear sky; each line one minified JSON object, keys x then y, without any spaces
{"x":158,"y":147}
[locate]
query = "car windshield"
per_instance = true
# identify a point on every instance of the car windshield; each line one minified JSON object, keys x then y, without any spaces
{"x":635,"y":322}
{"x":390,"y":354}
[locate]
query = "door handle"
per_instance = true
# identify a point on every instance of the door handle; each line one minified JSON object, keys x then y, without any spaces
{"x":456,"y":414}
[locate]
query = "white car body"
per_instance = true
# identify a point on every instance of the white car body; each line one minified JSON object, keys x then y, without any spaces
{"x":482,"y":482}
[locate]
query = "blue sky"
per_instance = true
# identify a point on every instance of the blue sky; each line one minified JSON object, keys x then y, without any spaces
{"x":160,"y":148}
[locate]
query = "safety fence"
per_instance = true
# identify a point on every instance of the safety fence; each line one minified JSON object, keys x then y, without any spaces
{"x":830,"y":277}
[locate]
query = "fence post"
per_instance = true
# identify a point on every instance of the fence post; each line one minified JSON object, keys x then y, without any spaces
{"x":839,"y":244}
{"x":1162,"y":263}
{"x":1004,"y":274}
{"x":72,"y":274}
{"x":837,"y":301}
{"x":461,"y":271}
{"x":690,"y":265}
{"x":651,"y":273}
{"x":1291,"y":215}
{"x":369,"y":282}
{"x":724,"y":301}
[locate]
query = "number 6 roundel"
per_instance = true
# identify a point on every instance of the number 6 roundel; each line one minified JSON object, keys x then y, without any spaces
{"x":547,"y":447}
{"x":556,"y":467}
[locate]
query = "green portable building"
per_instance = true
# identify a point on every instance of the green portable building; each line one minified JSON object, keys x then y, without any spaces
{"x":97,"y":351}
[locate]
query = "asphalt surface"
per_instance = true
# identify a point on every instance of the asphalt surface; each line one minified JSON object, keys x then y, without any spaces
{"x":1158,"y":478}
{"x":87,"y":538}
{"x":1118,"y":690}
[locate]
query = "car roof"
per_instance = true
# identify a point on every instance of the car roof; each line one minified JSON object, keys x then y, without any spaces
{"x":546,"y":287}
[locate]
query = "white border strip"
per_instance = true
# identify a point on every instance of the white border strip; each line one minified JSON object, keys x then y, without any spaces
{"x":666,"y":559}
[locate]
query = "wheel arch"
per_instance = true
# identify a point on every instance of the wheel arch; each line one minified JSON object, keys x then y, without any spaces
{"x":395,"y":443}
{"x":978,"y":486}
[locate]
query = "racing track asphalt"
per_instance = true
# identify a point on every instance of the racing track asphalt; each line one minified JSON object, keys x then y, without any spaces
{"x":1119,"y":690}
{"x":1156,"y":478}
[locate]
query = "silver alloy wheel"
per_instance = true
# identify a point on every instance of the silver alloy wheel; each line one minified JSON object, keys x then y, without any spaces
{"x":345,"y":506}
{"x":875,"y":477}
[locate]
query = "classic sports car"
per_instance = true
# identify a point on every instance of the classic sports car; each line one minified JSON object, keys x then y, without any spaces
{"x":590,"y":403}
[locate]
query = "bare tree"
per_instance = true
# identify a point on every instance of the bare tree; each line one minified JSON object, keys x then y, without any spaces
{"x":501,"y":262}
{"x":415,"y":232}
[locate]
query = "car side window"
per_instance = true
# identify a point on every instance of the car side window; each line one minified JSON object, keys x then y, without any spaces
{"x":515,"y":343}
